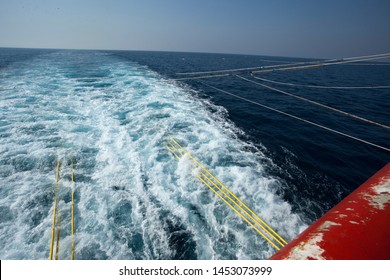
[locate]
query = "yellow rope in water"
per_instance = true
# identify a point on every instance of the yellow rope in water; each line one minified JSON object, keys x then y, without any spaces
{"x":226,"y":188}
{"x":238,"y":213}
{"x":172,"y":151}
{"x":58,"y":235}
{"x":275,"y":237}
{"x":227,"y":193}
{"x":55,"y":202}
{"x":72,"y":210}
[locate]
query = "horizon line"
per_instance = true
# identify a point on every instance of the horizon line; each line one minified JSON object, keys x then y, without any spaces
{"x":167,"y":51}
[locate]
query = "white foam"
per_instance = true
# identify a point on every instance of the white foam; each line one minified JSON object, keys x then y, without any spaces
{"x":127,"y":184}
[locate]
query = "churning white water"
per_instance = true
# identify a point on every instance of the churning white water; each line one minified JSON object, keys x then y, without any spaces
{"x":134,"y":200}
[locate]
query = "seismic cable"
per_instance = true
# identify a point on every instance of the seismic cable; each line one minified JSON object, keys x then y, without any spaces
{"x":72,"y":214}
{"x":241,"y":69}
{"x":315,"y":103}
{"x":58,"y":235}
{"x":275,"y":236}
{"x":318,"y":86}
{"x":288,"y":66}
{"x":250,"y":68}
{"x":370,"y":64}
{"x":300,"y":119}
{"x":238,"y":213}
{"x":328,"y":62}
{"x":285,"y":63}
{"x":55,"y":202}
{"x":201,"y":77}
{"x":222,"y":191}
{"x":281,"y":242}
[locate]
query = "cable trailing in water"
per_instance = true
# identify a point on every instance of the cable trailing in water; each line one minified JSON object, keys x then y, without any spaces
{"x":316,"y":103}
{"x":300,"y":119}
{"x":58,"y":226}
{"x":289,"y":66}
{"x":220,"y":71}
{"x":328,"y":63}
{"x":318,"y":86}
{"x":370,"y":64}
{"x":240,"y":69}
{"x":72,"y":215}
{"x":201,"y":77}
{"x":228,"y":197}
{"x":243,"y":69}
{"x":55,"y":203}
{"x":56,"y":221}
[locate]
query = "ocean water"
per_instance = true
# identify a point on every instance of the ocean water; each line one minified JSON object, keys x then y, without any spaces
{"x":111,"y":112}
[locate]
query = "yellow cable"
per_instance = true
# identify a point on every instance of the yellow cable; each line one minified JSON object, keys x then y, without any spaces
{"x":172,"y":152}
{"x":219,"y":182}
{"x":52,"y":234}
{"x":200,"y":165}
{"x":269,"y":230}
{"x":55,"y":202}
{"x":175,"y":149}
{"x":238,"y":213}
{"x":72,"y":224}
{"x":245,"y":212}
{"x":58,"y":236}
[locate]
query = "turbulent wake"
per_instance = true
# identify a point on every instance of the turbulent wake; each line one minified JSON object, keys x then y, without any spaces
{"x":133,"y":199}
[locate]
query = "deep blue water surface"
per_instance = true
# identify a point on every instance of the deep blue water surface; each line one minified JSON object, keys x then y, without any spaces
{"x":110,"y":112}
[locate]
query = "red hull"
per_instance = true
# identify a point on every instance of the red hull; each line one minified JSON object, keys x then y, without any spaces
{"x":356,"y":228}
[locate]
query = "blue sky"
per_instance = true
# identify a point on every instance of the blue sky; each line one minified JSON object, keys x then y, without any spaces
{"x":298,"y":28}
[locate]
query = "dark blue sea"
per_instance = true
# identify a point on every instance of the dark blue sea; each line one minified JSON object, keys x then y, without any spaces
{"x":111,"y":113}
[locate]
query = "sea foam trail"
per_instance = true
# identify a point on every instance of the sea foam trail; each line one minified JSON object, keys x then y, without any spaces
{"x":134,"y":200}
